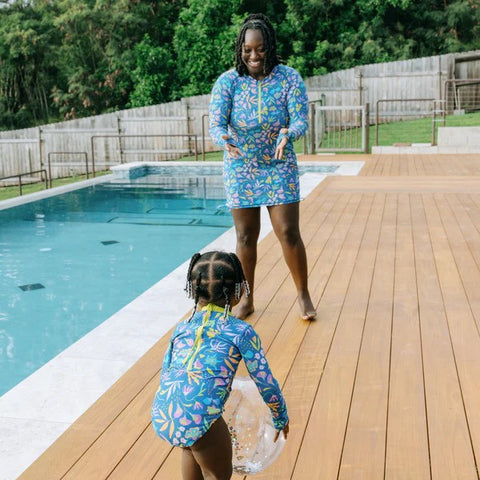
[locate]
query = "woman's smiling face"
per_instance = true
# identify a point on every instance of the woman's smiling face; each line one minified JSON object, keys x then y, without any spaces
{"x":253,"y":53}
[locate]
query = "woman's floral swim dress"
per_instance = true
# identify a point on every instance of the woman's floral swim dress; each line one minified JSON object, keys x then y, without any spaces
{"x":252,"y":112}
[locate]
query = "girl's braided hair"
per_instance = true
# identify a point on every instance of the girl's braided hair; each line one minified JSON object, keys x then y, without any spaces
{"x":257,"y":21}
{"x":215,"y":276}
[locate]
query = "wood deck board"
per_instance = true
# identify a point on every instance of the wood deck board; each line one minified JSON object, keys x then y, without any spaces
{"x":364,"y":446}
{"x":323,"y":439}
{"x":407,"y":444}
{"x":384,"y":384}
{"x":463,"y":328}
{"x":450,"y":447}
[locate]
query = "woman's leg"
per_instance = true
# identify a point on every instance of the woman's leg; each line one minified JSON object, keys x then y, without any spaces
{"x":213,"y":453}
{"x":247,"y":228}
{"x":285,"y":222}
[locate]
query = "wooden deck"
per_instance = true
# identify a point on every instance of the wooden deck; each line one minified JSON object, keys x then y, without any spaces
{"x":386,"y":383}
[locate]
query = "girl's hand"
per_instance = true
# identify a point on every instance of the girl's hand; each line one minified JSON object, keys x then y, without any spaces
{"x":232,"y":150}
{"x":285,"y":432}
{"x":280,"y":150}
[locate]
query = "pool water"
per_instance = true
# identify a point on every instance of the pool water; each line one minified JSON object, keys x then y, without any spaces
{"x":70,"y":261}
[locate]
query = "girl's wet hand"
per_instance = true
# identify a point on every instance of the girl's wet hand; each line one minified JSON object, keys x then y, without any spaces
{"x":285,"y":432}
{"x":232,"y":150}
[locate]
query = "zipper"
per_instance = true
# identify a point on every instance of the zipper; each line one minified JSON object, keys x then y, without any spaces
{"x":260,"y":101}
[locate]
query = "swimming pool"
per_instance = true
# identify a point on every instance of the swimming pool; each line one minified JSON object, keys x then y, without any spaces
{"x":70,"y":261}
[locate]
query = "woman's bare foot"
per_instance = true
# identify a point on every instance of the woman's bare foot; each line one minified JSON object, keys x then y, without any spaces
{"x":306,"y":307}
{"x":244,"y":308}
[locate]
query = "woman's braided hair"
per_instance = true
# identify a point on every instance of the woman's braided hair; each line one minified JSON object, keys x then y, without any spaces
{"x":257,"y":21}
{"x":215,"y":276}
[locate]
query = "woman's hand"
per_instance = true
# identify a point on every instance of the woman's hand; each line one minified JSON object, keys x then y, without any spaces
{"x":232,"y":150}
{"x":285,"y":432}
{"x":280,"y":150}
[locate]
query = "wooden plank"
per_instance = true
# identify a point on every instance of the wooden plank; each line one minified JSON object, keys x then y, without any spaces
{"x":143,"y":458}
{"x":330,"y":241}
{"x":350,"y":331}
{"x":407,"y":454}
{"x":110,"y":447}
{"x":307,"y":369}
{"x":465,"y":245}
{"x":405,"y":184}
{"x":462,"y":326}
{"x":322,"y":442}
{"x":449,"y":440}
{"x":364,"y":447}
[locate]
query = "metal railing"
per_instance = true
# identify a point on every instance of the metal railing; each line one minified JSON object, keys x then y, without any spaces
{"x":341,"y":128}
{"x":462,"y":95}
{"x":433,"y":112}
{"x":50,"y":164}
{"x":204,"y":116}
{"x":20,"y":175}
{"x":142,"y":151}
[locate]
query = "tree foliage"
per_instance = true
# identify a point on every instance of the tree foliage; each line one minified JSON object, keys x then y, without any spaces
{"x":72,"y":58}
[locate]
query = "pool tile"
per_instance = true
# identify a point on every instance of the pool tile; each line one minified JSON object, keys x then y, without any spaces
{"x":31,"y":286}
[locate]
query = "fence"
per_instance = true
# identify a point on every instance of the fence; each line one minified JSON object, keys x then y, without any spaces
{"x":462,"y":95}
{"x":410,"y":107}
{"x":333,"y":129}
{"x":168,"y":131}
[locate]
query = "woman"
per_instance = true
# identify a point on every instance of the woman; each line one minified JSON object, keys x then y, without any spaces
{"x":257,"y":110}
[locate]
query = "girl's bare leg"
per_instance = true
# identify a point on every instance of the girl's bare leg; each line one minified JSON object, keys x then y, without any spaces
{"x":285,"y":222}
{"x":190,"y":468}
{"x":247,"y":228}
{"x":213,"y":453}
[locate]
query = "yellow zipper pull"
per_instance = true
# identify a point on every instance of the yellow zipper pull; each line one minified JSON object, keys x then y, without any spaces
{"x":259,"y":101}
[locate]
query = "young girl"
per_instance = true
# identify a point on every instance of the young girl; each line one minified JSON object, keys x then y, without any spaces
{"x":199,"y":366}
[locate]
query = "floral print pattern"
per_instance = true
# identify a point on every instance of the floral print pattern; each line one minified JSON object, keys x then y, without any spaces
{"x":198,"y":371}
{"x":252,"y":113}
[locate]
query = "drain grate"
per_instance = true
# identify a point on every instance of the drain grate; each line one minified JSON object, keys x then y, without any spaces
{"x":109,"y":242}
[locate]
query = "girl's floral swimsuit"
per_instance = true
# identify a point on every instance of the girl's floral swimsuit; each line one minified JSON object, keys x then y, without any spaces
{"x":198,"y":371}
{"x":252,"y":113}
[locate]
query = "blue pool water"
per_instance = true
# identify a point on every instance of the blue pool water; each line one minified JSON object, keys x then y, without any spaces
{"x":70,"y":261}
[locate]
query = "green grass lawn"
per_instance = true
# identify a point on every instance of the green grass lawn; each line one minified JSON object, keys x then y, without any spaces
{"x":412,"y":131}
{"x":418,"y":131}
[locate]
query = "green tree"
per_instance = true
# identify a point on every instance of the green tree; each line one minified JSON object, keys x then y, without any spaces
{"x":98,"y":50}
{"x":153,"y":75}
{"x":27,"y":65}
{"x":73,"y":58}
{"x":329,"y":35}
{"x":96,"y":46}
{"x":204,"y":43}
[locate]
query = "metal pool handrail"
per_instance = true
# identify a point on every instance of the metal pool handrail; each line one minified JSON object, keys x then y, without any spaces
{"x":188,"y":135}
{"x":50,"y":164}
{"x":20,"y":175}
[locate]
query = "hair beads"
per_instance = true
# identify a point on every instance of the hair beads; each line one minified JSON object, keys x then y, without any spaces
{"x":215,"y":277}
